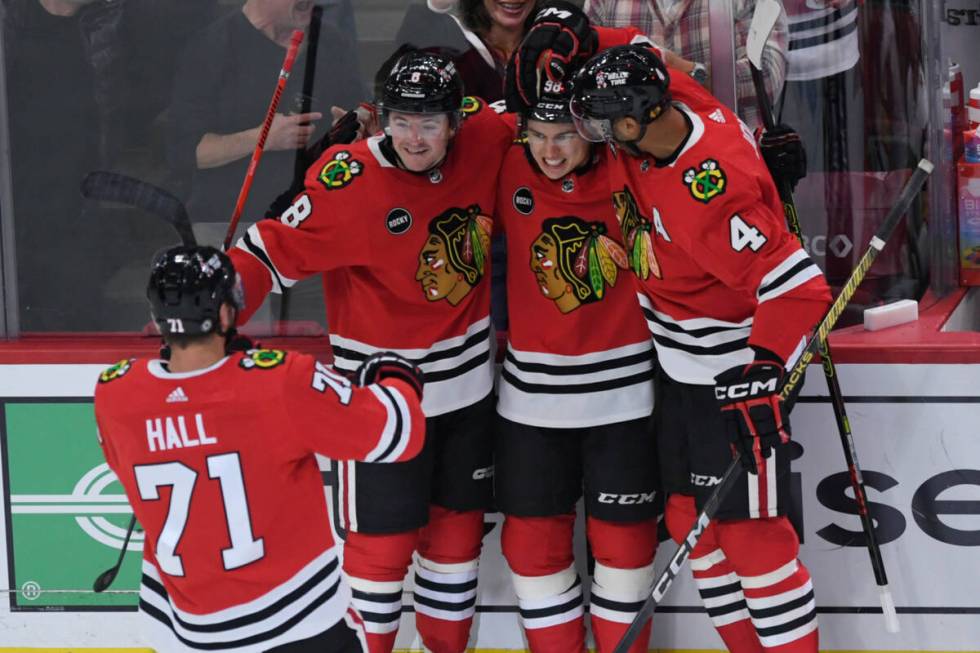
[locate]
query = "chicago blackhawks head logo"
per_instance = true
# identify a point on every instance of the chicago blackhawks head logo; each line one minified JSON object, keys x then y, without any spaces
{"x":636,"y":232}
{"x":339,"y":171}
{"x":117,"y":370}
{"x":455,"y":254}
{"x":707,"y":182}
{"x":573,"y":261}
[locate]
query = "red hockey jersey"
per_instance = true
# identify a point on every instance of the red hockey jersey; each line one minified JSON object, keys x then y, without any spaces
{"x":717,"y":268}
{"x":218,"y":465}
{"x":578,"y":351}
{"x":405,"y":257}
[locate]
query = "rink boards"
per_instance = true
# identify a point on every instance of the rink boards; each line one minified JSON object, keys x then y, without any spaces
{"x":915,"y":428}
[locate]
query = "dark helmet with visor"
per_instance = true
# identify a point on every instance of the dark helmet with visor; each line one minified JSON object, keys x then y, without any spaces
{"x":628,"y":80}
{"x":188,"y":285}
{"x":423,"y":82}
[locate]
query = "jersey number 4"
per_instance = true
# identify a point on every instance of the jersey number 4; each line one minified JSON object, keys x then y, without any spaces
{"x":225,"y":468}
{"x":745,"y":235}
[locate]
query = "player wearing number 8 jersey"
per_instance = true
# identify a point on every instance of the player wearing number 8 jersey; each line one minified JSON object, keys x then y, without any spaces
{"x":215,"y":450}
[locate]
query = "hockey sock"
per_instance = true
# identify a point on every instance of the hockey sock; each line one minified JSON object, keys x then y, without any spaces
{"x":716,"y":580}
{"x":777,"y":586}
{"x":549,"y":592}
{"x":622,"y":580}
{"x":445,"y":578}
{"x":376,"y":566}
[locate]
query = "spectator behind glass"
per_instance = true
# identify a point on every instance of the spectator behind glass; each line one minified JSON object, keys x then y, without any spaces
{"x":222,"y":91}
{"x":683,"y":26}
{"x":62,"y":80}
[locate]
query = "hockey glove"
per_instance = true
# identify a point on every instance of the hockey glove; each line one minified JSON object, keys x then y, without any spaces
{"x":559,"y":38}
{"x":388,"y":365}
{"x":345,"y":130}
{"x":755,"y":417}
{"x":783,"y":153}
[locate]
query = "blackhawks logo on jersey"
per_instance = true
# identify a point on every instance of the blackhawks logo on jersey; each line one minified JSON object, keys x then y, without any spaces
{"x":339,"y":171}
{"x":636,"y":232}
{"x":470,"y":106}
{"x":707,"y":182}
{"x":116,"y":371}
{"x":454,"y":256}
{"x":574,"y":260}
{"x":262,"y":359}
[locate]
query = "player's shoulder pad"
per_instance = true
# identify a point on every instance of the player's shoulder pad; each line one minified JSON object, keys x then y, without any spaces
{"x":116,"y":371}
{"x":340,"y":166}
{"x":262,"y":359}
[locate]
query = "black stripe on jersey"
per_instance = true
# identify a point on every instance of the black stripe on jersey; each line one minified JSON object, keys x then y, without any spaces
{"x":697,"y":350}
{"x":160,"y":616}
{"x":821,"y":39}
{"x":431,"y":357}
{"x":618,"y":606}
{"x":377,"y":597}
{"x":576,"y":388}
{"x":721,"y":610}
{"x":786,"y":276}
{"x":245,"y":620}
{"x":776,"y":610}
{"x":714,"y":592}
{"x":788,"y":626}
{"x":458,"y":606}
{"x":586,"y":368}
{"x":399,"y":431}
{"x":562,"y":608}
{"x":380,"y":617}
{"x":260,"y":254}
{"x":694,"y":333}
{"x":449,"y":588}
{"x":822,"y":21}
{"x":459,"y":370}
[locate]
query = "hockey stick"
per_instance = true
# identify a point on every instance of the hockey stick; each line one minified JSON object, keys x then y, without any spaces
{"x":105,"y":579}
{"x":733,"y":473}
{"x":762,"y":24}
{"x":116,"y":187}
{"x":287,"y":66}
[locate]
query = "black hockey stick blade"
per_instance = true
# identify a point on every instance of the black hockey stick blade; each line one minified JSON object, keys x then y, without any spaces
{"x":105,"y":579}
{"x":115,"y":187}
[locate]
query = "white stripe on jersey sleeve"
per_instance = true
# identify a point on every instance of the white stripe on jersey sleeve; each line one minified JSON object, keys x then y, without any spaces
{"x":394,"y":437}
{"x":253,"y":244}
{"x":800,"y":269}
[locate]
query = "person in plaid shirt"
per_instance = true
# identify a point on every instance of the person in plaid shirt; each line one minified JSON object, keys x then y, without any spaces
{"x":682,"y":26}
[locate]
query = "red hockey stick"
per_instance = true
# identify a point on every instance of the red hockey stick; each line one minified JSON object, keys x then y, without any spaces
{"x":287,"y":66}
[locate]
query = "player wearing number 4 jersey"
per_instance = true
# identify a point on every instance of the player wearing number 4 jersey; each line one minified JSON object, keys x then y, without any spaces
{"x":728,"y":295}
{"x":215,"y":450}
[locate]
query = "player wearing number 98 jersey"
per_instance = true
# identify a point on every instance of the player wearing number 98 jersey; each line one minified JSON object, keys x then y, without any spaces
{"x":215,"y":450}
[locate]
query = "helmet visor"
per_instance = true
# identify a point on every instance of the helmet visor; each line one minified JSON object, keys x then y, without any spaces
{"x":594,"y":130}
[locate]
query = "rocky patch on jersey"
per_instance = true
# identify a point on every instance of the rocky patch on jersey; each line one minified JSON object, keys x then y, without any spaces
{"x":706,"y":182}
{"x":116,"y":371}
{"x":524,"y":201}
{"x":339,"y":171}
{"x":454,"y":257}
{"x":573,"y":261}
{"x":636,"y":234}
{"x":262,"y":359}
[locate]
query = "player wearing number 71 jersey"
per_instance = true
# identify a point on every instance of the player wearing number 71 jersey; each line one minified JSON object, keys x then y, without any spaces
{"x":215,"y":450}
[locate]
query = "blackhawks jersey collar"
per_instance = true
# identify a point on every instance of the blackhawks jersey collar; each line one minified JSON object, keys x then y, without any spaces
{"x":158,"y":368}
{"x":694,"y":135}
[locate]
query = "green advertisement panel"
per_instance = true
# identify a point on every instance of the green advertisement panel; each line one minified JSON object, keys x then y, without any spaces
{"x":66,"y":512}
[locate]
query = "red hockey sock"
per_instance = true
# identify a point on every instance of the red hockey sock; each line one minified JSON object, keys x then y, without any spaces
{"x":716,"y":580}
{"x":445,"y":578}
{"x":549,"y":592}
{"x":375,"y":566}
{"x":622,"y":581}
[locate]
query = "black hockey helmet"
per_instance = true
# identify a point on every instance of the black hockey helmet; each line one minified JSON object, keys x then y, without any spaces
{"x":552,"y":105}
{"x":628,"y":80}
{"x":423,"y":82}
{"x":187,"y":286}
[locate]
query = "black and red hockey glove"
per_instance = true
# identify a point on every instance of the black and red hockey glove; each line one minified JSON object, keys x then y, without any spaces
{"x":389,"y":365}
{"x":756,"y":418}
{"x":783,"y":152}
{"x":559,"y":39}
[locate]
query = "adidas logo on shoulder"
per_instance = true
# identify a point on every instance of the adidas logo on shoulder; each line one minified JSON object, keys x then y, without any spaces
{"x":717,"y":115}
{"x":176,"y":395}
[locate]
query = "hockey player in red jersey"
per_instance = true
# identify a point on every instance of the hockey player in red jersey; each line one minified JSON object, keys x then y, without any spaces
{"x":729,"y":296}
{"x":215,"y":450}
{"x":576,"y":390}
{"x":399,"y":225}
